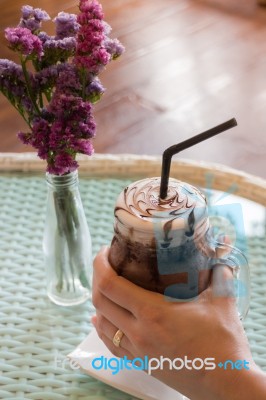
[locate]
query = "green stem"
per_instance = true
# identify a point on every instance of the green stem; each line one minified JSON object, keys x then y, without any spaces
{"x":28,"y":86}
{"x":23,"y":116}
{"x":48,"y":95}
{"x":41,"y":100}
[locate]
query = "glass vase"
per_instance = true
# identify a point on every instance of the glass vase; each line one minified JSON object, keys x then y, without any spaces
{"x":66,"y":242}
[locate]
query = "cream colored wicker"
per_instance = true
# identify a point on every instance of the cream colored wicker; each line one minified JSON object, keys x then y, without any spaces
{"x":128,"y":165}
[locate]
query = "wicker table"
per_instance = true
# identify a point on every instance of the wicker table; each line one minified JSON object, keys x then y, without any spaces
{"x":35,"y":335}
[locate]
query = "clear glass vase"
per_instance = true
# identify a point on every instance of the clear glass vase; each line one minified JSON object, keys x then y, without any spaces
{"x":66,"y":242}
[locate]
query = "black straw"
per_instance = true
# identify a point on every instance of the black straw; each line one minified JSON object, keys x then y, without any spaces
{"x":176,"y":148}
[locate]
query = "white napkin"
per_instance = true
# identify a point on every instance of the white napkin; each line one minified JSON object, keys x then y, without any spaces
{"x":134,"y":382}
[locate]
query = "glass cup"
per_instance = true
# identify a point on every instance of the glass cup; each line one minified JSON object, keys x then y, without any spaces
{"x":167,"y":246}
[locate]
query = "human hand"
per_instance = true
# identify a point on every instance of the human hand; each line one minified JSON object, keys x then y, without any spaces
{"x":156,"y":326}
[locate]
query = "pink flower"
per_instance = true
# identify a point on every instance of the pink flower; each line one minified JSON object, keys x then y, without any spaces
{"x":23,"y":41}
{"x":94,"y":48}
{"x":91,"y":8}
{"x":94,"y":62}
{"x":92,"y":39}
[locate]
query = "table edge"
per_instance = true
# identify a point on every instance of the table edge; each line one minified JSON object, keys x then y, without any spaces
{"x":200,"y":173}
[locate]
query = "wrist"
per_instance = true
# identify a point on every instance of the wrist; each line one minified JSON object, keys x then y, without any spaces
{"x":236,"y":384}
{"x":252,"y":384}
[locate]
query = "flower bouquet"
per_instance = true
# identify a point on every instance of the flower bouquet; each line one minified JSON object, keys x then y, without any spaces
{"x":54,"y":87}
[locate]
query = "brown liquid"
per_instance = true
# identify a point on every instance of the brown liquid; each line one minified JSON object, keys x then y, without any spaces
{"x":159,"y":269}
{"x":175,"y":261}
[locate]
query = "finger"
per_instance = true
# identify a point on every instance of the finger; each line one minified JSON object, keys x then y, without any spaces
{"x":222,"y":250}
{"x":106,"y":328}
{"x":117,"y":351}
{"x":117,"y":315}
{"x":227,"y":240}
{"x":118,"y":289}
{"x":224,"y":239}
{"x":222,"y":284}
{"x":224,"y":246}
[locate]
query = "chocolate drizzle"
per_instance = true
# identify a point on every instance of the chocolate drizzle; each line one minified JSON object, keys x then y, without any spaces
{"x":141,"y":199}
{"x":191,"y":224}
{"x":140,"y":215}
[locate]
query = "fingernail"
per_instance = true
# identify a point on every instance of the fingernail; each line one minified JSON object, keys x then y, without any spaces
{"x":93,"y":320}
{"x":104,"y":249}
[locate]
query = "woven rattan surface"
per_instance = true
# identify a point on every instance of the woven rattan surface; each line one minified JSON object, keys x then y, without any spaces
{"x":35,"y":335}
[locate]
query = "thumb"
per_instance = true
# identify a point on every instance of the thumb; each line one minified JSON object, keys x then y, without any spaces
{"x":222,"y":283}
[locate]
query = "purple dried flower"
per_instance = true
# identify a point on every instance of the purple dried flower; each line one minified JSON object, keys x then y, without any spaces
{"x":32,"y":18}
{"x":23,"y":41}
{"x":64,"y":106}
{"x":56,"y":99}
{"x":57,"y":137}
{"x":72,"y":121}
{"x":13,"y":85}
{"x":40,"y":137}
{"x":107,"y":28}
{"x":87,"y":129}
{"x":9,"y":69}
{"x":47,"y":77}
{"x":24,"y":137}
{"x":114,"y":47}
{"x":62,"y":164}
{"x":68,"y":80}
{"x":43,"y":37}
{"x":27,"y":12}
{"x":64,"y":76}
{"x":66,"y":25}
{"x":41,"y":15}
{"x":94,"y":90}
{"x":84,"y":146}
{"x":67,"y":44}
{"x":58,"y":50}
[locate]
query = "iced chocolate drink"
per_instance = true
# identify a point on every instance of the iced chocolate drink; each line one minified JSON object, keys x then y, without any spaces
{"x":163,"y":245}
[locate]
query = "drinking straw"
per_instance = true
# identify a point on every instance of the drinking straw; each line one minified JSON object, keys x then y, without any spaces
{"x":176,"y":148}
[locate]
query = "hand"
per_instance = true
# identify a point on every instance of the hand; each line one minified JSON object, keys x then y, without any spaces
{"x":155,"y":326}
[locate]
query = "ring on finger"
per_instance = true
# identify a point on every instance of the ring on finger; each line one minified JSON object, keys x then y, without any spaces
{"x":118,"y":337}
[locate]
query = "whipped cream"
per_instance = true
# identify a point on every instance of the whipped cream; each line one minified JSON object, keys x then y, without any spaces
{"x":140,"y":209}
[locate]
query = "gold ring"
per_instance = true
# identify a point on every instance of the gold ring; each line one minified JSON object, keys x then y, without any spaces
{"x":118,"y":337}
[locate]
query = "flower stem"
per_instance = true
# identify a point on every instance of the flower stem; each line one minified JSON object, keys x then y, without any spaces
{"x":23,"y":116}
{"x":41,"y":100}
{"x":28,"y":86}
